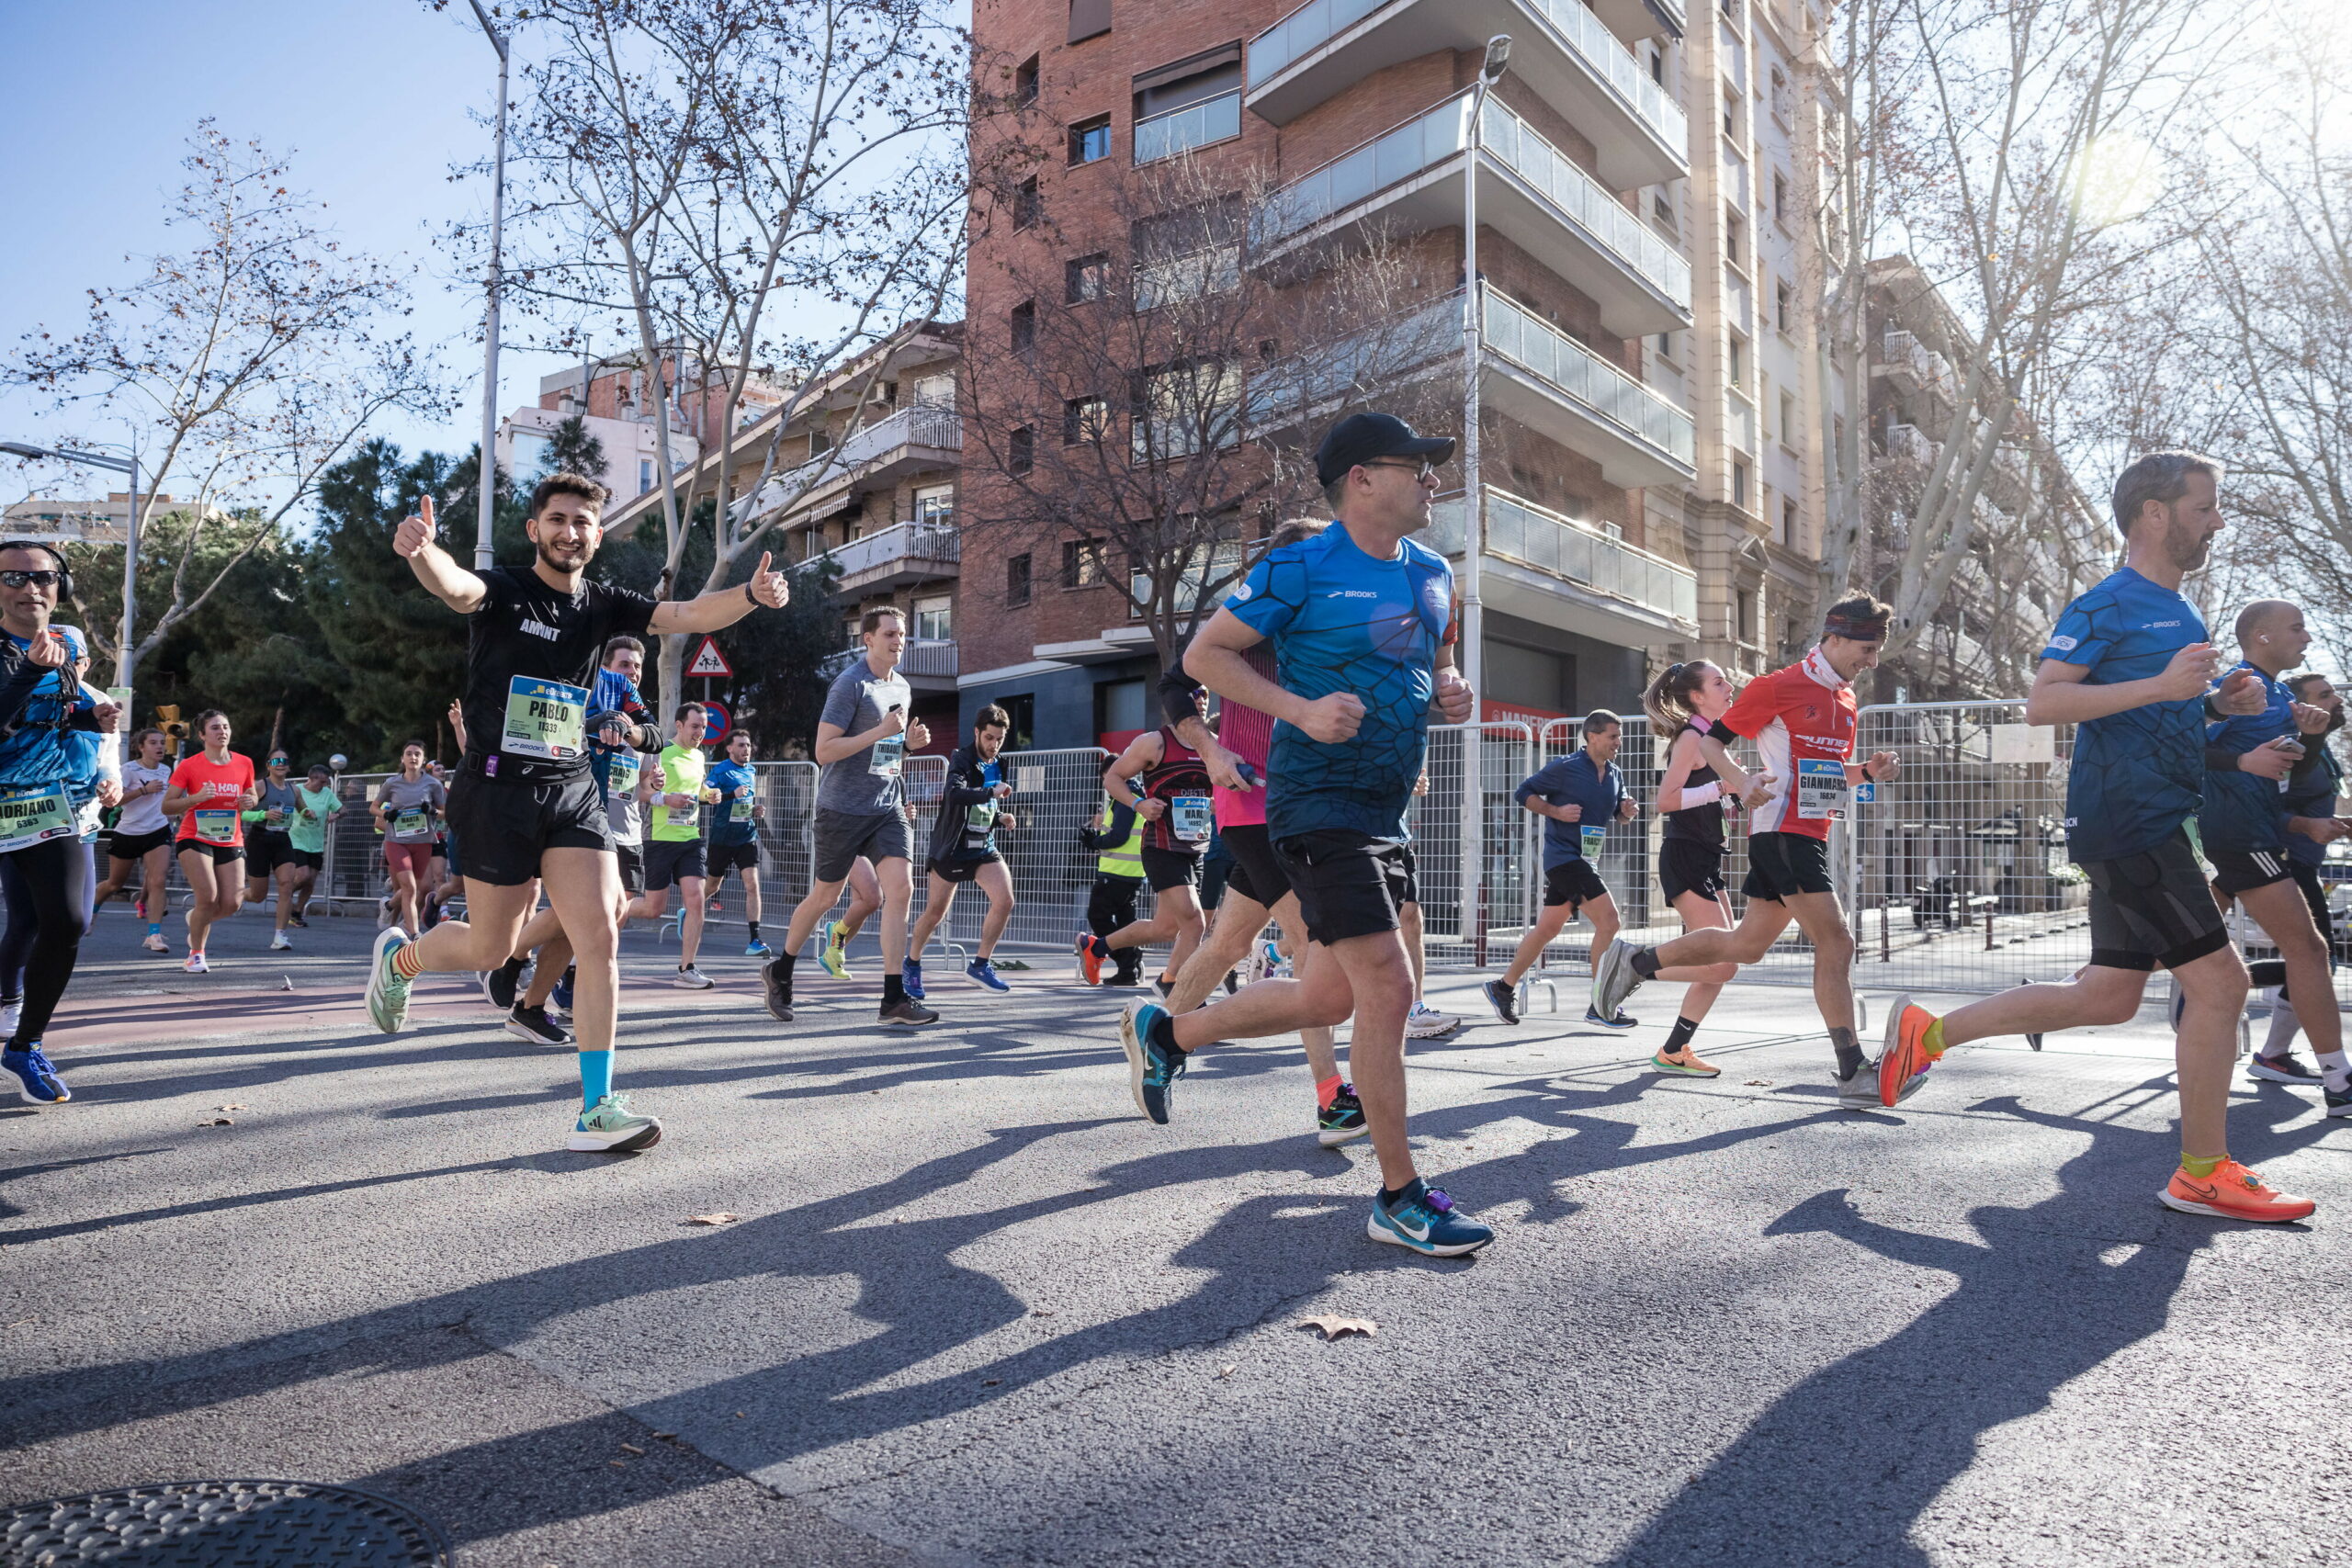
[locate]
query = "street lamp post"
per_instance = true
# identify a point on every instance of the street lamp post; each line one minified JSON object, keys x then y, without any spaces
{"x":1474,"y":506}
{"x":488,"y":478}
{"x":129,"y":466}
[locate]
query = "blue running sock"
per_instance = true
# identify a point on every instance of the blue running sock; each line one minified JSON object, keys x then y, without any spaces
{"x":154,"y":928}
{"x":595,"y":1077}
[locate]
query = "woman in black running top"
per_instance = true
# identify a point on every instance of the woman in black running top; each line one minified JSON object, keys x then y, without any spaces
{"x":1684,"y":703}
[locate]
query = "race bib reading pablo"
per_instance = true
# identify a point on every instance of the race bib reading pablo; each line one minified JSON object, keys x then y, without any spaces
{"x":545,"y":719}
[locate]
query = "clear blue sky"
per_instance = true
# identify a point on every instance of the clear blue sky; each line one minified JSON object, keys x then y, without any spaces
{"x":371,"y":99}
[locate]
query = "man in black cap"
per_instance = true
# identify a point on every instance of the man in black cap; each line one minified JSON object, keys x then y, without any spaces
{"x":1362,"y":620}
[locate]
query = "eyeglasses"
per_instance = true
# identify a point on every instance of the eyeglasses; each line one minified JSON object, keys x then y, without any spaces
{"x":1423,"y":471}
{"x":37,"y":579}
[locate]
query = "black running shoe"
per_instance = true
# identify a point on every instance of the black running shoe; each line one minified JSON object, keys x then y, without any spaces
{"x":499,"y":985}
{"x":1341,"y":1121}
{"x":906,"y":1013}
{"x":778,"y":983}
{"x":1504,"y":998}
{"x":534,"y":1024}
{"x":2285,"y":1068}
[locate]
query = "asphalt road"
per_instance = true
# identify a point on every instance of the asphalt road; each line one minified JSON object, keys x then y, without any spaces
{"x":976,"y":1310}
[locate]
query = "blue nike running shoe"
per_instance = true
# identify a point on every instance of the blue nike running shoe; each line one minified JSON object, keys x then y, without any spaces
{"x":41,"y":1084}
{"x":1150,"y":1069}
{"x":1423,"y":1219}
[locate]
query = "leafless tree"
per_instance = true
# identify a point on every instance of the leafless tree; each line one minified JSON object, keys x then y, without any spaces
{"x":247,"y":364}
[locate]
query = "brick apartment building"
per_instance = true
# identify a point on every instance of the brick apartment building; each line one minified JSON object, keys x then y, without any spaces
{"x":620,"y":411}
{"x":1657,"y":416}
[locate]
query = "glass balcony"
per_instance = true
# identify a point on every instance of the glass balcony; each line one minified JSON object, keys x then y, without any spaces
{"x":1196,"y":125}
{"x":1650,"y":589}
{"x":1620,"y":403}
{"x":1516,"y":145}
{"x":1564,"y":52}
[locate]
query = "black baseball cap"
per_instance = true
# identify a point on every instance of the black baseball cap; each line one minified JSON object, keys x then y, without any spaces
{"x":1360,"y":437}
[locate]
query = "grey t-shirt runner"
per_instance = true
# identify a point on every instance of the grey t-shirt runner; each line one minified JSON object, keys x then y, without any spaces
{"x":865,"y":784}
{"x":622,"y":814}
{"x":411,"y":809}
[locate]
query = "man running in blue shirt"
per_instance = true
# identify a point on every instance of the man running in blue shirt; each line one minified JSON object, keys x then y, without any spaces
{"x":2131,"y":666}
{"x":1362,"y":620}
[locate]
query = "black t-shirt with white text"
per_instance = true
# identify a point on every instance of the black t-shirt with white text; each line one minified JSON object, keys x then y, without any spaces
{"x":531,"y":670}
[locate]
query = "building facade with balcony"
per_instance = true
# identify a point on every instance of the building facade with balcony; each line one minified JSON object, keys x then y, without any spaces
{"x":50,"y":521}
{"x":1654,"y":413}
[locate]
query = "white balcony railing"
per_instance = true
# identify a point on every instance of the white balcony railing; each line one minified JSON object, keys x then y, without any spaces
{"x":1196,"y":125}
{"x":933,"y":544}
{"x":922,"y":425}
{"x":1388,"y":159}
{"x":1905,"y":442}
{"x":1552,"y":355}
{"x":1517,"y":146}
{"x":1563,"y":547}
{"x":1317,"y":22}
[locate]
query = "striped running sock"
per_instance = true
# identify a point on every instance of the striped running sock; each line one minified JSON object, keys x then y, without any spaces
{"x":407,"y":962}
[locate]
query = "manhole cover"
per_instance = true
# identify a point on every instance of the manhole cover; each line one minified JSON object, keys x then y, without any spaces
{"x":230,"y":1524}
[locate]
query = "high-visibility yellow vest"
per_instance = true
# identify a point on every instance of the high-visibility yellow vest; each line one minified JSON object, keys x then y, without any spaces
{"x":1121,"y":860}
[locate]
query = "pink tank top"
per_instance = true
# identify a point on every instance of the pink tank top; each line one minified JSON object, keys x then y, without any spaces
{"x":1249,"y":735}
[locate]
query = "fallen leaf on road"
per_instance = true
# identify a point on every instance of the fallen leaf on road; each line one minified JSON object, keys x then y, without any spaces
{"x":618,"y":1463}
{"x":217,"y":1121}
{"x":991,"y":1382}
{"x":631,"y":1449}
{"x":1041,"y":1312}
{"x":1228,"y":1371}
{"x":710,"y":1219}
{"x":1759,"y":1083}
{"x":1338,"y":1327}
{"x":232,"y":1108}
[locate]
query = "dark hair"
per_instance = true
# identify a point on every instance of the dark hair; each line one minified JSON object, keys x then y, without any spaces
{"x":1858,"y":617}
{"x":139,"y":739}
{"x":207,"y":716}
{"x":51,"y":550}
{"x":1599,"y":718}
{"x":1668,"y":702}
{"x":685,"y":708}
{"x":569,"y":483}
{"x":622,"y":643}
{"x":1335,"y":492}
{"x":420,"y":746}
{"x":2297,"y":685}
{"x":991,"y":717}
{"x":873,"y":618}
{"x":2159,"y":476}
{"x":1291,"y":530}
{"x":318,"y":767}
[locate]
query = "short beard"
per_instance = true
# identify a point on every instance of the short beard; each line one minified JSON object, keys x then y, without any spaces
{"x":554,"y":565}
{"x":2185,"y":549}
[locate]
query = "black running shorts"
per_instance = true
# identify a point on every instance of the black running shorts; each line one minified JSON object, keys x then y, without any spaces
{"x":632,"y":867}
{"x":221,"y":853}
{"x":1782,"y":866}
{"x":2243,"y":871}
{"x":311,"y":859}
{"x":843,"y":836}
{"x":669,"y":860}
{"x":723,"y":858}
{"x":962,"y":871}
{"x":1166,"y":869}
{"x":1257,"y":873}
{"x":266,"y":849}
{"x":132,"y":846}
{"x":507,"y":827}
{"x":1573,"y":883}
{"x":1687,"y":865}
{"x":1349,"y":883}
{"x":2153,"y":909}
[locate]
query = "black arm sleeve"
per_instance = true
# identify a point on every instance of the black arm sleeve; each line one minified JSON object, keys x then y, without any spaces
{"x":1122,"y":823}
{"x":1178,"y":698}
{"x":2218,"y":760}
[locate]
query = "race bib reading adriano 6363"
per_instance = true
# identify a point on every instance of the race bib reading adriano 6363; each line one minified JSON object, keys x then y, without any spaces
{"x":545,"y":719}
{"x":29,"y":816}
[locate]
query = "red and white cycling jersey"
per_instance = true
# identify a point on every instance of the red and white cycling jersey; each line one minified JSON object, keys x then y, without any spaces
{"x":1801,"y":720}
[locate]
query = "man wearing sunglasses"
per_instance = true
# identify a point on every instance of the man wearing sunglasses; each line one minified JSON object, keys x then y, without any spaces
{"x":40,"y":840}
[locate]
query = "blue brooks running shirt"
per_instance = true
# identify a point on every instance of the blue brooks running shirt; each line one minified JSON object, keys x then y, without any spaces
{"x":1342,"y":621}
{"x":2247,"y":811}
{"x":2137,"y":776}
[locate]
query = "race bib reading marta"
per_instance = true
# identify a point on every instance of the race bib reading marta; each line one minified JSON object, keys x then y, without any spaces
{"x":411,"y":822}
{"x":32,"y":815}
{"x":1190,"y":818}
{"x":545,"y":719}
{"x":1821,"y":788}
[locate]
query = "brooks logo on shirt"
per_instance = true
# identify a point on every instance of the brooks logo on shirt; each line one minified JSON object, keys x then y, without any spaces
{"x":535,"y":629}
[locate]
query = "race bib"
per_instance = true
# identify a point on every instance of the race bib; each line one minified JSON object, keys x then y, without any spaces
{"x":982,"y":818}
{"x":411,"y":821}
{"x":546,"y":719}
{"x":32,"y":815}
{"x":1190,"y":818}
{"x":683,"y":815}
{"x":620,"y":772}
{"x":741,"y":811}
{"x":888,"y":754}
{"x":1822,"y":789}
{"x":215,"y":827}
{"x":1593,"y":839}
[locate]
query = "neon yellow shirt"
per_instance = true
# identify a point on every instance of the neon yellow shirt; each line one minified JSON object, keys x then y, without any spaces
{"x":682,"y":773}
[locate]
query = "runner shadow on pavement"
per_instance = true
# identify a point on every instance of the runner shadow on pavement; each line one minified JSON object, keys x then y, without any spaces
{"x":1840,"y":1469}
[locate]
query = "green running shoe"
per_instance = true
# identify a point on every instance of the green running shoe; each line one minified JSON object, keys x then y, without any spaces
{"x":834,"y":954}
{"x":612,"y":1129}
{"x":387,"y":987}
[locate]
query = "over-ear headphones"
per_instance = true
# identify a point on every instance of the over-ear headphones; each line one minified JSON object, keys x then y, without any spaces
{"x":65,"y":573}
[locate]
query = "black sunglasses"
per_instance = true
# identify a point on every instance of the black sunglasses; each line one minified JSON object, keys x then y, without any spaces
{"x":37,"y":579}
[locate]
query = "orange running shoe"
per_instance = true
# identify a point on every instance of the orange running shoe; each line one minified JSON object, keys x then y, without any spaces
{"x":1090,"y":954}
{"x":2233,"y":1192}
{"x":1685,"y":1062}
{"x":1903,"y":1060}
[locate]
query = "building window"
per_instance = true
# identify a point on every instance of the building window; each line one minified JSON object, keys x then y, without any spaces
{"x":1738,"y":483}
{"x":1735,"y":239}
{"x":1024,"y":326}
{"x":1024,"y":83}
{"x":1743,"y":614}
{"x":1187,"y":254}
{"x":1783,"y":298}
{"x":1788,"y":419}
{"x":935,"y":504}
{"x":936,"y":618}
{"x":1186,"y":408}
{"x":1730,"y":117}
{"x":1085,"y":277}
{"x":1085,"y":420}
{"x":1665,"y":345}
{"x":1189,"y":104}
{"x":1081,"y":563}
{"x":1017,"y":581}
{"x":1028,"y":206}
{"x":1020,"y":453}
{"x":935,"y":391}
{"x":1780,"y":198}
{"x":1662,"y":207}
{"x":1735,"y":363}
{"x":1089,"y":140}
{"x":1089,"y":18}
{"x":1121,"y":707}
{"x":1788,"y":522}
{"x":1657,"y":63}
{"x":644,"y":475}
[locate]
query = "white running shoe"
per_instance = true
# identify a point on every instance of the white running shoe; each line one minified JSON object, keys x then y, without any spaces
{"x":277,"y":942}
{"x":194,"y":965}
{"x":1425,"y":1022}
{"x":693,"y":979}
{"x":153,"y":943}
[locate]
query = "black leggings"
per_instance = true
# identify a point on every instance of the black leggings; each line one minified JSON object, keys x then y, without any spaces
{"x":50,"y":882}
